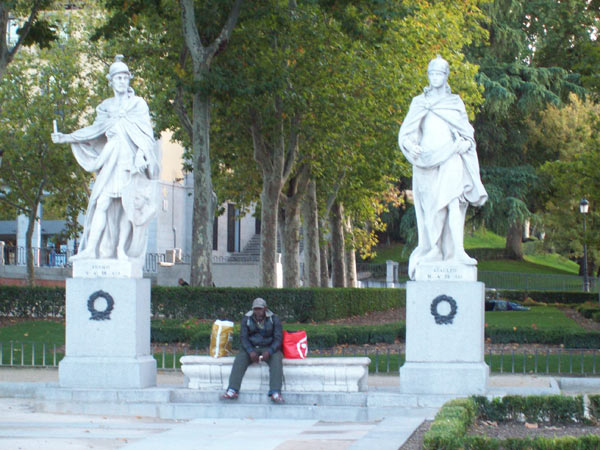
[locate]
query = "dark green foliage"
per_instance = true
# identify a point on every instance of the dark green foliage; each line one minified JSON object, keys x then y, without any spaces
{"x":548,"y":409}
{"x":572,"y":339}
{"x":450,"y":425}
{"x":32,"y":302}
{"x":291,"y":305}
{"x":548,"y":296}
{"x":197,"y":335}
{"x":448,"y":431}
{"x":595,"y":406}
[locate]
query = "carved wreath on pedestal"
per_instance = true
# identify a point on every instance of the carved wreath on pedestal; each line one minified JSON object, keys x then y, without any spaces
{"x":446,"y":318}
{"x":100,"y":315}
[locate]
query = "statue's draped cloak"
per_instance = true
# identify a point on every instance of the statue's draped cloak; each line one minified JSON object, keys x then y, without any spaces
{"x":105,"y":147}
{"x":442,"y":175}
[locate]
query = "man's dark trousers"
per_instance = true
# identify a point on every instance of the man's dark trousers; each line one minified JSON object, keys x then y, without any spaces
{"x":242,"y":361}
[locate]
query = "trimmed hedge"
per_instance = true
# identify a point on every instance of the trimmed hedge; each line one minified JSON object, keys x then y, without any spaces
{"x":33,"y":302}
{"x":197,"y":334}
{"x":549,"y":409}
{"x":448,"y":431}
{"x":291,"y":305}
{"x":544,"y":296}
{"x":522,"y":335}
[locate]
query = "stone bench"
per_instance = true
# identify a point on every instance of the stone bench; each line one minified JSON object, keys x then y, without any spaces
{"x":343,"y":374}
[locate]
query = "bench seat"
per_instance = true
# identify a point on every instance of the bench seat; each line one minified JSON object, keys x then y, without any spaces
{"x":343,"y":374}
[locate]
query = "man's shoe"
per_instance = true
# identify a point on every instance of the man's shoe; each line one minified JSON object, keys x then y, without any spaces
{"x":231,"y":394}
{"x":276,"y":397}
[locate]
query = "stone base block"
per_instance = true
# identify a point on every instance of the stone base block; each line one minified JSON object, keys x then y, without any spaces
{"x":444,"y":378}
{"x":107,"y":372}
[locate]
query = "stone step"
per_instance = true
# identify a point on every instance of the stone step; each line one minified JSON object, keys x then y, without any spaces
{"x":232,"y":409}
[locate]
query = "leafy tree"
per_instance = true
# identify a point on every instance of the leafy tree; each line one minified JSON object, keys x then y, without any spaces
{"x":516,"y":88}
{"x":33,"y":29}
{"x":571,"y":133}
{"x":39,"y":85}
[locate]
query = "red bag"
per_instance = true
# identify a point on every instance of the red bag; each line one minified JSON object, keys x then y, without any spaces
{"x":295,"y":345}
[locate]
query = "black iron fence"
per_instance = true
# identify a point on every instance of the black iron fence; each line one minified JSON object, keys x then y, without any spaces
{"x":555,"y":361}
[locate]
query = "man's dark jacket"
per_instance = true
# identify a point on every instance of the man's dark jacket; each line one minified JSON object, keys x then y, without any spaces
{"x":268,"y":337}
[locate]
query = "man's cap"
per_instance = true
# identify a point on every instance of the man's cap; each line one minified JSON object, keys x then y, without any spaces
{"x":259,"y":303}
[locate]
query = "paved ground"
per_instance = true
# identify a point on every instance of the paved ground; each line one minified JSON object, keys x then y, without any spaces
{"x":21,"y":427}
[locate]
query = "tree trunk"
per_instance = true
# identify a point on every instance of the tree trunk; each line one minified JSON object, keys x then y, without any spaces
{"x":268,"y":231}
{"x":323,"y":255}
{"x":204,"y":199}
{"x":289,"y":225}
{"x":199,"y":128}
{"x":29,"y":247}
{"x":310,"y":228}
{"x":514,"y":248}
{"x":338,"y":258}
{"x":290,"y":236}
{"x":350,"y":257}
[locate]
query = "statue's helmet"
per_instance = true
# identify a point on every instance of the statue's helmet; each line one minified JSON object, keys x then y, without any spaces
{"x":118,"y":67}
{"x":439,"y":64}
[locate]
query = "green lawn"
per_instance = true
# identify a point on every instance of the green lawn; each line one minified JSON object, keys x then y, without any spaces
{"x":539,"y":317}
{"x":506,"y":265}
{"x":484,"y":239}
{"x":535,"y":260}
{"x":34,"y":331}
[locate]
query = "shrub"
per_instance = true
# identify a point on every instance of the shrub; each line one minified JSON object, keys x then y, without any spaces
{"x":291,"y":305}
{"x":197,"y":333}
{"x":552,"y":409}
{"x":450,"y":425}
{"x":32,"y":301}
{"x":547,"y":296}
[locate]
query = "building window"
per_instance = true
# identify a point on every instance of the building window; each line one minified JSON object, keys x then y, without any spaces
{"x":233,"y":228}
{"x":216,"y":234}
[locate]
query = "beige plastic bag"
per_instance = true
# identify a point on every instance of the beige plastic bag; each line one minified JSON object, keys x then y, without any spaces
{"x":221,"y":338}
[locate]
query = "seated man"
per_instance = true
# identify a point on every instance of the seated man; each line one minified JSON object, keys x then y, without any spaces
{"x":261,"y":337}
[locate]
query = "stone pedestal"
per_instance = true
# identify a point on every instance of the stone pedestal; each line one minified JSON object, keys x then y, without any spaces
{"x":444,"y":338}
{"x":108,"y":334}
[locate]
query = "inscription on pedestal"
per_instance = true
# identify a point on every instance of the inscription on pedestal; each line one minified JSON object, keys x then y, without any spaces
{"x":106,"y":268}
{"x":445,"y":272}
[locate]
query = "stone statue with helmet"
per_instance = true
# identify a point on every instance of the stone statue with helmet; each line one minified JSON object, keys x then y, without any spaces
{"x":119,"y":147}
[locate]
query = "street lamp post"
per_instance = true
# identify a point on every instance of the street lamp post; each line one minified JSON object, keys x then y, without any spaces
{"x":584,"y":207}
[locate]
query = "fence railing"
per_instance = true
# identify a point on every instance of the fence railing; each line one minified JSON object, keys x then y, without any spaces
{"x":42,"y":256}
{"x":555,"y":361}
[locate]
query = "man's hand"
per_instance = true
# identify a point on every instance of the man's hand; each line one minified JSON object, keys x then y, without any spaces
{"x":265,"y":356}
{"x":254,"y":357}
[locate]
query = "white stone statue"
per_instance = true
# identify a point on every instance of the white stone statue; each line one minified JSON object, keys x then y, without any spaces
{"x":120,"y":147}
{"x":438,"y":140}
